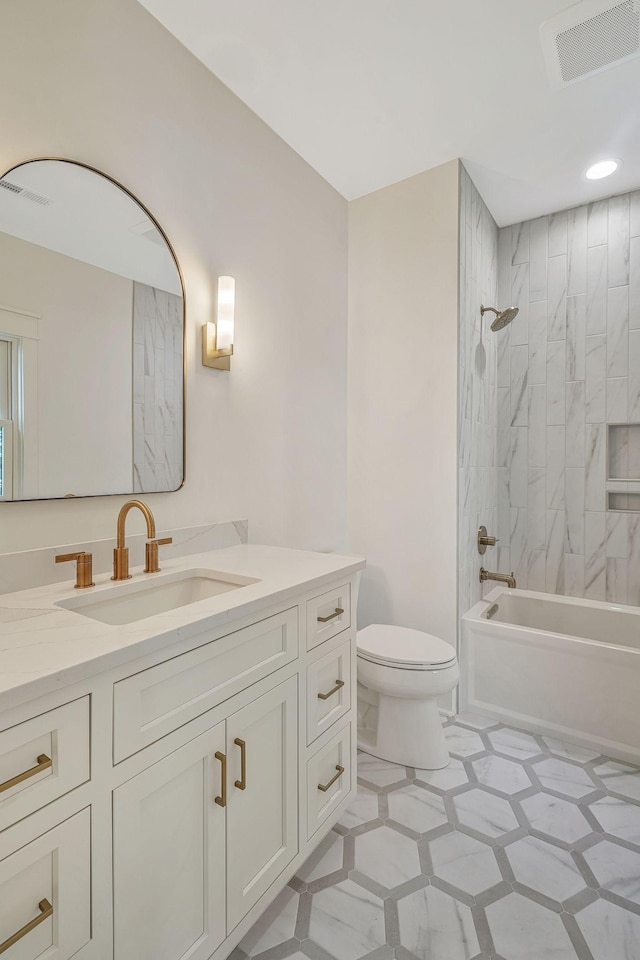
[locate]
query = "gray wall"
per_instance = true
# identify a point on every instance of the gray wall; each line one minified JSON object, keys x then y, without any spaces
{"x":568,"y":365}
{"x":477,"y":379}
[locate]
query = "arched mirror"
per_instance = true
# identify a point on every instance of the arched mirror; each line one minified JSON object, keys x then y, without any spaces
{"x":91,"y":339}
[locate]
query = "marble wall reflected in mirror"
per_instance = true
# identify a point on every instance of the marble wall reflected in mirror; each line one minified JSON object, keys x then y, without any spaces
{"x":91,"y":339}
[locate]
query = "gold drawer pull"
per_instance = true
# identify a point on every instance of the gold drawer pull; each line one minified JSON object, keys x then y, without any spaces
{"x":325,"y":786}
{"x":46,"y":911}
{"x":44,"y":762}
{"x":337,"y":613}
{"x":222,"y":799}
{"x":241,"y":784}
{"x":338,"y":686}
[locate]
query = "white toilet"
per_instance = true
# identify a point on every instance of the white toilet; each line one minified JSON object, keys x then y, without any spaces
{"x":401,"y":674}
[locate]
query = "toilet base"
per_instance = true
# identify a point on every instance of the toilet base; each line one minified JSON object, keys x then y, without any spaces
{"x":408,"y":732}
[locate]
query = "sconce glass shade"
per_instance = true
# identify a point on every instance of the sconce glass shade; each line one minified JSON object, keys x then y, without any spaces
{"x":217,"y":338}
{"x":226,"y":310}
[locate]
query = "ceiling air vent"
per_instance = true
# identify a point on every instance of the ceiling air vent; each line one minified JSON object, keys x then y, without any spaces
{"x":24,"y":193}
{"x":12,"y":187}
{"x":147,"y":230}
{"x":589,"y":37}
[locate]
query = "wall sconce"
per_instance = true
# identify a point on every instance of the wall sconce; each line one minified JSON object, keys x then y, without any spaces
{"x":217,"y":338}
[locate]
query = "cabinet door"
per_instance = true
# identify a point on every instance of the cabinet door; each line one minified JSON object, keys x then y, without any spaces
{"x":262,"y":815}
{"x":45,"y":894}
{"x":169,"y":856}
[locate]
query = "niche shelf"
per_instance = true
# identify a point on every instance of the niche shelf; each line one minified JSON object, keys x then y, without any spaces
{"x":623,"y":467}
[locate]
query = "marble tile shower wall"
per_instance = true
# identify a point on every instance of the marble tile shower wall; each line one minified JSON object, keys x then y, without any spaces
{"x":477,"y":480}
{"x":568,"y":365}
{"x":157,"y":390}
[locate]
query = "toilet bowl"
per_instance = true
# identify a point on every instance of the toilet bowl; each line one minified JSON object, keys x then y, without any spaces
{"x":401,"y":674}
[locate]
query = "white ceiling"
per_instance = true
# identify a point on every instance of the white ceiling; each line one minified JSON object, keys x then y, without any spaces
{"x":372,"y":91}
{"x":88,"y":218}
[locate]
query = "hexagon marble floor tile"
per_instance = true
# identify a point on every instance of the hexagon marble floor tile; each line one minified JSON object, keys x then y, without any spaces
{"x":524,"y":848}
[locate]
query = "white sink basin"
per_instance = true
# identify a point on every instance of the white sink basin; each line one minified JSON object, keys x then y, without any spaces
{"x":133,"y":601}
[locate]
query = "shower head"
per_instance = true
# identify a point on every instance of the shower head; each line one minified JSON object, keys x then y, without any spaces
{"x":502,"y":318}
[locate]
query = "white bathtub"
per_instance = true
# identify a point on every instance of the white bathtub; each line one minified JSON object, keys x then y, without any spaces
{"x":561,"y":666}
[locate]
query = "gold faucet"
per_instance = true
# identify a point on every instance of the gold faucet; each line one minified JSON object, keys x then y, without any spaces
{"x":121,"y":553}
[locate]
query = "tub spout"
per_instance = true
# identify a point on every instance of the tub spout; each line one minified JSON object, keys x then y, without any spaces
{"x":507,"y":578}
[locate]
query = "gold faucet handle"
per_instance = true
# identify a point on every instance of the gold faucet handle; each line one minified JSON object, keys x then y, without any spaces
{"x":151,"y":554}
{"x":84,"y":567}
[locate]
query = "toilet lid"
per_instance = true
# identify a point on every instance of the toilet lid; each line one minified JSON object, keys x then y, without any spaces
{"x":401,"y":645}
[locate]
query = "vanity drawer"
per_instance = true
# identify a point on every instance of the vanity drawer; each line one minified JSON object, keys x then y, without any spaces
{"x":328,"y":690}
{"x":42,"y":759}
{"x":329,"y":768}
{"x":45,"y":893}
{"x":156,"y":701}
{"x":328,"y":615}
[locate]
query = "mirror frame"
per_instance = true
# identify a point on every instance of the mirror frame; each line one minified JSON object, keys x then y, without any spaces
{"x":121,"y":186}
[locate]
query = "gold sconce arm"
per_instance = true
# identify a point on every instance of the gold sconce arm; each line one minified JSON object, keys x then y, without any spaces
{"x":211,"y":356}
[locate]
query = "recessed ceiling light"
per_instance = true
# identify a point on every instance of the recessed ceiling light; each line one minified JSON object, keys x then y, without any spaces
{"x":602,"y":169}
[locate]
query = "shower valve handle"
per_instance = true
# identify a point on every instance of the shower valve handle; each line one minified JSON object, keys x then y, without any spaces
{"x":485,"y":541}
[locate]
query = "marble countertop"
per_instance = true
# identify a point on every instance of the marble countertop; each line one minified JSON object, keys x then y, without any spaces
{"x":44,"y":647}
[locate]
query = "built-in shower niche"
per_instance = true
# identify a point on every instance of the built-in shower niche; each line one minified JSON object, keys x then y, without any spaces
{"x":623,"y":467}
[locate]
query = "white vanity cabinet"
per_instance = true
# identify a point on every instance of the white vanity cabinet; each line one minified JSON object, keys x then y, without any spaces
{"x":186,"y":786}
{"x":200,"y":836}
